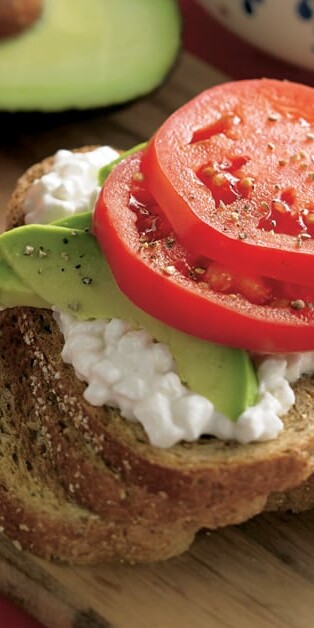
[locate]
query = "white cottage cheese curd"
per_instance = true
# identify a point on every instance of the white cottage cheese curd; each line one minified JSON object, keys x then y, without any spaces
{"x":70,"y":188}
{"x":125,"y":368}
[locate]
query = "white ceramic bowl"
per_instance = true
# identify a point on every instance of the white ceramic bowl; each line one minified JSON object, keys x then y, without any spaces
{"x":283,"y":28}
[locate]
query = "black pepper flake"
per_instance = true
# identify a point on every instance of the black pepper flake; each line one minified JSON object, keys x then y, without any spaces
{"x":170,"y":242}
{"x":42,"y":252}
{"x":298,"y":304}
{"x":78,"y":266}
{"x":87,"y":281}
{"x":65,"y":241}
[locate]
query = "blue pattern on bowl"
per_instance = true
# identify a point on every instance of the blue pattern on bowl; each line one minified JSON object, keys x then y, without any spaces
{"x":283,"y":28}
{"x":305,"y":9}
{"x":250,"y":5}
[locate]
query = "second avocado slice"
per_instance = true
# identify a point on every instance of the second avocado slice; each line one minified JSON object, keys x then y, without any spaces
{"x":65,"y":267}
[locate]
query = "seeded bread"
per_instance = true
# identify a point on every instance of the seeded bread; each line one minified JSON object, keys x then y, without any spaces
{"x":98,"y":490}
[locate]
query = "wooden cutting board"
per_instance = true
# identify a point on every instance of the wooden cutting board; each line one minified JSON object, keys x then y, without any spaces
{"x":260,"y":574}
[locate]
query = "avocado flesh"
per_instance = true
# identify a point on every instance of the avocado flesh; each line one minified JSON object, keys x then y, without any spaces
{"x":77,"y":222}
{"x":14,"y":291}
{"x":65,"y":267}
{"x":91,"y":53}
{"x":104,"y":172}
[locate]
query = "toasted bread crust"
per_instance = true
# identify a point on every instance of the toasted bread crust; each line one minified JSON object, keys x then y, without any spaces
{"x":103,"y":466}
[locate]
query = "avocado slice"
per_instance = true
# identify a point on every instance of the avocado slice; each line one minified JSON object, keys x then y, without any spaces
{"x":83,"y":54}
{"x":78,"y":222}
{"x":14,"y":291}
{"x":104,"y":172}
{"x":65,"y":267}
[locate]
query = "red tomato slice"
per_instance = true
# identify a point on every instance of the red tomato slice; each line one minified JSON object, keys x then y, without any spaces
{"x":187,"y":291}
{"x":233,"y":171}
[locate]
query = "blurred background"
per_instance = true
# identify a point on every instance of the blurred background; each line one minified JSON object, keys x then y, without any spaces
{"x":212,"y":31}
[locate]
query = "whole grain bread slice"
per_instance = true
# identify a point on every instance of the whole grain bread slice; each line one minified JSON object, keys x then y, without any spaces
{"x":105,"y":464}
{"x":83,"y":468}
{"x":35,"y":511}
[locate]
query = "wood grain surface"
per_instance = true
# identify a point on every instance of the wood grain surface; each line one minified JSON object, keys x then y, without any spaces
{"x":260,"y":574}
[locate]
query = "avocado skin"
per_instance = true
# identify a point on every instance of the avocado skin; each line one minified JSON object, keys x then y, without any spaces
{"x":64,"y":266}
{"x":82,"y":54}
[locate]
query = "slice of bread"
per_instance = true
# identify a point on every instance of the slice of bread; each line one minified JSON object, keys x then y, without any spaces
{"x":100,"y":490}
{"x":36,"y":512}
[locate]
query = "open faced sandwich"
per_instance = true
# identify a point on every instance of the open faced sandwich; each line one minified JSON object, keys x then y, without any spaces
{"x":157,"y":332}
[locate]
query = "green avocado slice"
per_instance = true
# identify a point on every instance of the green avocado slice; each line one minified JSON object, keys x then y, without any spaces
{"x":104,"y":172}
{"x":14,"y":291}
{"x":78,"y":222}
{"x":89,"y":53}
{"x":65,"y":267}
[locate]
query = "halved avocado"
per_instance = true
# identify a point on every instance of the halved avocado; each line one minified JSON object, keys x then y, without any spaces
{"x":91,"y":53}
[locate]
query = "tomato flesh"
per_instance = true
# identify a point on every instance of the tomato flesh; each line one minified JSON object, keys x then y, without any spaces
{"x":284,"y":216}
{"x":225,"y":181}
{"x":185,"y":289}
{"x":233,"y":171}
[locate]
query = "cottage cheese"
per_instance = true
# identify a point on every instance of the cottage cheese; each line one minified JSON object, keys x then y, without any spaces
{"x":125,"y":368}
{"x":71,"y":187}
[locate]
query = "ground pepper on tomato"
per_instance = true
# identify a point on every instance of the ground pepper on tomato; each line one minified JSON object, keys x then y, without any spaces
{"x":186,"y":289}
{"x":233,"y":171}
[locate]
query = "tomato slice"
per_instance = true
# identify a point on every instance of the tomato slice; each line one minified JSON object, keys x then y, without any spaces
{"x":186,"y":290}
{"x":233,"y":171}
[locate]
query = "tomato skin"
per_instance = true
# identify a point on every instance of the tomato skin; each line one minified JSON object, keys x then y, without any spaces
{"x":278,"y":156}
{"x":176,"y":300}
